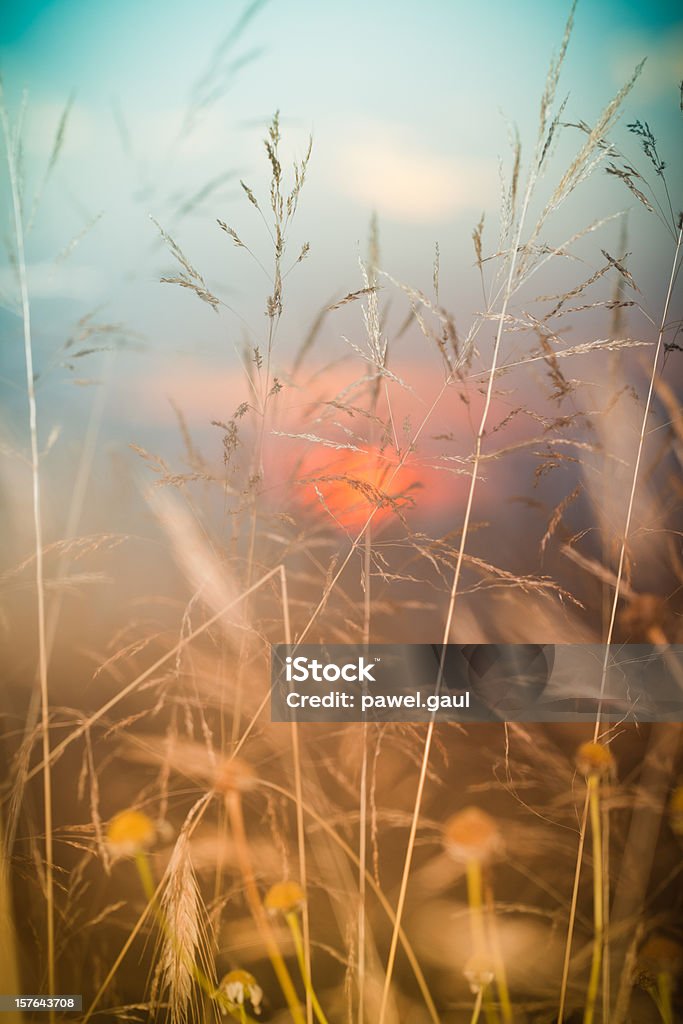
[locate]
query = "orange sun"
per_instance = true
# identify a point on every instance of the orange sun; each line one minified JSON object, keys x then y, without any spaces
{"x":353,"y":485}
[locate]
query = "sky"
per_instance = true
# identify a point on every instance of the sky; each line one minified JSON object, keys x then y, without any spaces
{"x":411,"y":108}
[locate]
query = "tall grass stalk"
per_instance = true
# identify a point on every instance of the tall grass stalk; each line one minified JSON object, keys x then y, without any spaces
{"x":615,"y":603}
{"x":13,"y":170}
{"x":474,"y":476}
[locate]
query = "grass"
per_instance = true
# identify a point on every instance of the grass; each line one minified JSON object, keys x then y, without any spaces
{"x":347,"y":874}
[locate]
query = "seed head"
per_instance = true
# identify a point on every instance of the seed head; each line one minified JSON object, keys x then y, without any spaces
{"x":472,"y":834}
{"x":594,"y":759}
{"x":284,"y":898}
{"x":239,"y":987}
{"x":129,"y":832}
{"x":479,"y":971}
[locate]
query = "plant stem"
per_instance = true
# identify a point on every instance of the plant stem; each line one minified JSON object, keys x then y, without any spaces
{"x":298,"y":790}
{"x":476,"y":1011}
{"x":615,"y":604}
{"x":234,"y":809}
{"x":598,"y":917}
{"x":293,"y":923}
{"x":664,"y":991}
{"x":475,"y":900}
{"x":38,"y":538}
{"x":498,"y":962}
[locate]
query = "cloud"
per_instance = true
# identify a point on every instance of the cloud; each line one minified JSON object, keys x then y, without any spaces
{"x":385,"y":168}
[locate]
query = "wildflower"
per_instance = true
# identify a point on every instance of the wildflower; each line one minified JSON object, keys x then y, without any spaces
{"x":284,"y":898}
{"x":479,"y":972}
{"x":472,"y":835}
{"x":240,"y":987}
{"x":130,"y":832}
{"x":594,"y":759}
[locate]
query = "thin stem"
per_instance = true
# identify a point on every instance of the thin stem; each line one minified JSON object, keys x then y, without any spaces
{"x":664,"y":1002}
{"x":297,"y":938}
{"x":475,"y":901}
{"x":363,"y":808}
{"x":234,"y":809}
{"x":598,"y":917}
{"x":572,"y":913}
{"x":38,"y":537}
{"x":454,"y":590}
{"x":606,"y":965}
{"x":298,"y":792}
{"x":615,"y":601}
{"x":498,"y":962}
{"x":476,"y":1011}
{"x":325,"y":827}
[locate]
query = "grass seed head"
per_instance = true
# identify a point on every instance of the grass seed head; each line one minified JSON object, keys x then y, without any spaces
{"x":239,"y":988}
{"x":284,"y":898}
{"x":130,"y":832}
{"x":472,"y":834}
{"x":594,"y":759}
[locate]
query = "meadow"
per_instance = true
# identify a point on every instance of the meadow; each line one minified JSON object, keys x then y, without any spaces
{"x":394,"y":473}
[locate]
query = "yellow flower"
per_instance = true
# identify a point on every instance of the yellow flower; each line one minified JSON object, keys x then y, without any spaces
{"x":239,"y":987}
{"x":129,"y":832}
{"x":284,"y":897}
{"x":472,"y":834}
{"x":594,"y":759}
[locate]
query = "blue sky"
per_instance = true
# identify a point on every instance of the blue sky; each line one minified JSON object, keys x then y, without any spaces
{"x":410,"y":106}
